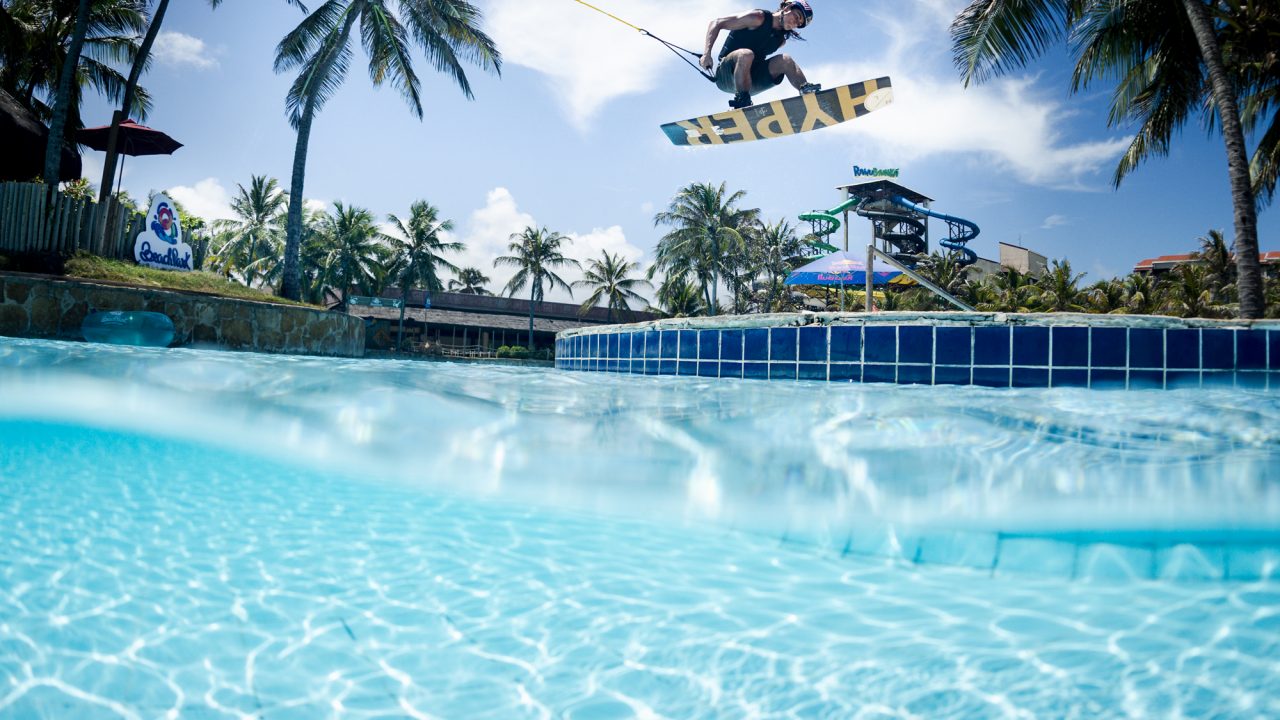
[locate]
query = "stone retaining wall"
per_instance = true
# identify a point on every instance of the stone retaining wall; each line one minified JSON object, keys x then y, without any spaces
{"x":39,"y":306}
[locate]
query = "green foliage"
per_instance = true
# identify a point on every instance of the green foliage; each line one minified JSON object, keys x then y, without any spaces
{"x":519,"y":352}
{"x":609,"y":280}
{"x":707,"y":240}
{"x":79,"y":189}
{"x":92,"y":267}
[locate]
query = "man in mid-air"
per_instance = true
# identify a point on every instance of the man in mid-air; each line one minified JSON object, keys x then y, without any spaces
{"x":747,"y":60}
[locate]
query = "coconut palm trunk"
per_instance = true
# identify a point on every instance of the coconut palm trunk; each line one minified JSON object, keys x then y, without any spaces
{"x":117,"y":117}
{"x":1252,"y":302}
{"x":62,"y":102}
{"x":532,"y":294}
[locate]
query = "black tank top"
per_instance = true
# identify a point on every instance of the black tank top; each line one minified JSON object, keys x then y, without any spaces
{"x":763,"y":41}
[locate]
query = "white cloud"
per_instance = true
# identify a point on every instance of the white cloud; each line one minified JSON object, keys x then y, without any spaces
{"x":175,"y":48}
{"x":1054,"y":221}
{"x":313,"y":205}
{"x":488,"y":233}
{"x":591,"y":59}
{"x":208,"y":199}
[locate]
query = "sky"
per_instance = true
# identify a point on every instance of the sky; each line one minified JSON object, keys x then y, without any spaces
{"x":568,"y":138}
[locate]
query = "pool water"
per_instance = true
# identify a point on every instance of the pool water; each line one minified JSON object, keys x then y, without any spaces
{"x":210,"y":535}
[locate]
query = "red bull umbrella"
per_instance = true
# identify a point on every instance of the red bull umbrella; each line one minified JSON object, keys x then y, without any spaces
{"x":841,"y":268}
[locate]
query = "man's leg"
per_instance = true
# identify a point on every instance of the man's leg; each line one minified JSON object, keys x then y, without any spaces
{"x":742,"y":62}
{"x":785,"y":66}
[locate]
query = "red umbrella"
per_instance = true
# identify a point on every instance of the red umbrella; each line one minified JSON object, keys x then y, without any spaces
{"x":133,"y":139}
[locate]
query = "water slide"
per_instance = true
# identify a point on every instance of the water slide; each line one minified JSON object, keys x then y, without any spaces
{"x":961,"y":230}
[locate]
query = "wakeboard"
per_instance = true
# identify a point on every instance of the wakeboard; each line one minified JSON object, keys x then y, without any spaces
{"x":789,"y":116}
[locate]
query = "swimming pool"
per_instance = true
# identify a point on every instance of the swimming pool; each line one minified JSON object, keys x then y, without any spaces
{"x":200,"y":534}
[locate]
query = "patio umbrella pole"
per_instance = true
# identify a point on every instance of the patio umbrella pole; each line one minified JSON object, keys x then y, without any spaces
{"x":868,"y":305}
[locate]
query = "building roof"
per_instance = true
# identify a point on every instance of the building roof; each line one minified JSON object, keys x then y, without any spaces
{"x":487,"y":321}
{"x":878,"y":189}
{"x":1168,"y":262}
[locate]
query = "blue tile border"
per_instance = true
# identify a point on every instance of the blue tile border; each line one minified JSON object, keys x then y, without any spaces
{"x":990,"y":354}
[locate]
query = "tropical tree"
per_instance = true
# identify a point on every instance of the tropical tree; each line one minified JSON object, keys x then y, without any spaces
{"x":470,"y":281}
{"x":1168,"y":58}
{"x":536,"y":254}
{"x":1013,"y":292}
{"x":771,"y":248}
{"x":253,"y":239}
{"x":1251,"y":34}
{"x":419,"y":252}
{"x":1060,"y":289}
{"x":677,"y":297}
{"x":448,"y":31}
{"x":1107,"y":297}
{"x":140,"y":61}
{"x":1190,"y":294}
{"x":1142,"y":294}
{"x":609,"y":281}
{"x":356,"y":250}
{"x":706,"y":224}
{"x":1219,"y":261}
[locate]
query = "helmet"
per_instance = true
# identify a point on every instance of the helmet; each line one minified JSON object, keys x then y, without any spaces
{"x":803,"y":6}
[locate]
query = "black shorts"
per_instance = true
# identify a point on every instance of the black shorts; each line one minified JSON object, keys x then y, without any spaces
{"x":761,"y":78}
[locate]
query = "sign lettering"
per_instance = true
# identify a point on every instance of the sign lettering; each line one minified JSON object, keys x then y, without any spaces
{"x":163,"y":230}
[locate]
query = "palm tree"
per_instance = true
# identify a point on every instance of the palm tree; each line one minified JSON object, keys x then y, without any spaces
{"x":771,"y":248}
{"x":57,"y":126}
{"x":1190,"y":294}
{"x":419,"y":252}
{"x":536,"y":252}
{"x":1059,"y":289}
{"x":140,"y":61}
{"x":608,"y":278}
{"x":680,"y":298}
{"x":707,"y":225}
{"x":1218,"y":259}
{"x":255,"y":234}
{"x":1143,"y":295}
{"x":1106,"y":296}
{"x":355,"y":247}
{"x":1013,"y":292}
{"x":447,"y":31}
{"x":470,"y":282}
{"x":1169,"y":62}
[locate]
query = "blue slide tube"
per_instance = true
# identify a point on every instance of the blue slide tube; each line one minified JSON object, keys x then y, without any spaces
{"x":954,"y":243}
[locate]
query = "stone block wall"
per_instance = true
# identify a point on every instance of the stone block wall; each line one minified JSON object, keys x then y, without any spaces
{"x":38,"y":306}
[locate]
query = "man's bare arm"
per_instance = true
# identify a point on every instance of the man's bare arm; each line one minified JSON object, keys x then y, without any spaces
{"x":745,"y":21}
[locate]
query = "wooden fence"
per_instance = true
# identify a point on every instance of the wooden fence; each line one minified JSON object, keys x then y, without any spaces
{"x":32,"y":222}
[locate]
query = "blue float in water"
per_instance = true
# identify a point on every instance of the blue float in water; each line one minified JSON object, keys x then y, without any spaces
{"x":118,"y":327}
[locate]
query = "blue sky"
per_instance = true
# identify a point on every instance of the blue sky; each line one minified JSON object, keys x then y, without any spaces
{"x":568,"y":138}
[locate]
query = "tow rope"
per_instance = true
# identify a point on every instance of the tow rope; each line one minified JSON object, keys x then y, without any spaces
{"x":670,"y":46}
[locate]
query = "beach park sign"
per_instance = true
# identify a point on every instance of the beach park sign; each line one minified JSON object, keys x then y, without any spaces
{"x":160,"y":244}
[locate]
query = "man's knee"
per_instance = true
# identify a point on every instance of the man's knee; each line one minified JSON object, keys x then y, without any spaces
{"x":743,"y":57}
{"x":782,"y":63}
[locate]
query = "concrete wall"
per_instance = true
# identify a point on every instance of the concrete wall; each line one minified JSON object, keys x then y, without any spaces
{"x":38,"y":306}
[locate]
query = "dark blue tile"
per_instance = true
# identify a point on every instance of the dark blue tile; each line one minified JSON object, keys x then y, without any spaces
{"x":637,"y":346}
{"x":1219,"y":348}
{"x":1274,"y":382}
{"x":1251,"y":350}
{"x":954,"y":346}
{"x":845,"y":372}
{"x":652,"y":339}
{"x":991,"y":346}
{"x":667,"y":367}
{"x":1109,"y":348}
{"x":593,"y":347}
{"x":813,"y":371}
{"x":1030,"y":377}
{"x":1144,"y":379}
{"x":755,"y":371}
{"x":1183,"y":349}
{"x":670,"y":344}
{"x":708,"y":345}
{"x":881,"y":344}
{"x":915,"y":344}
{"x":1218,"y":378}
{"x":1182,"y":379}
{"x":943,"y":375}
{"x":1273,"y":354}
{"x":782,"y":344}
{"x":846,"y":343}
{"x":1251,"y":380}
{"x":813,"y":344}
{"x":915,"y":374}
{"x":880,"y":373}
{"x":1071,"y":347}
{"x":991,"y":376}
{"x":731,"y":345}
{"x":688,"y":345}
{"x":756,"y":344}
{"x":1070,"y":378}
{"x":730,"y":369}
{"x":611,"y":343}
{"x":1107,"y":379}
{"x":1146,"y":348}
{"x":626,"y":348}
{"x":708,"y":368}
{"x":651,"y":367}
{"x":687,"y":367}
{"x":1031,"y":347}
{"x":782,"y":371}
